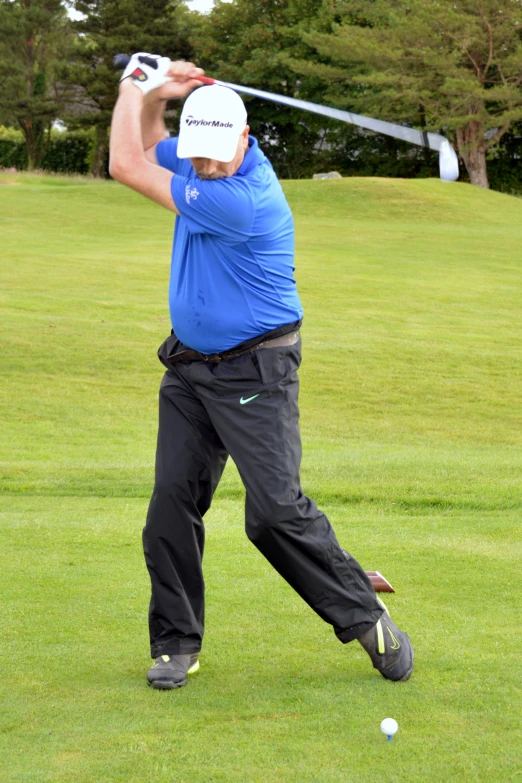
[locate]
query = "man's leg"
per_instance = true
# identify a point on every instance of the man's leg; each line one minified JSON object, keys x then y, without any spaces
{"x":262,"y":436}
{"x":189,"y":462}
{"x":252,"y":402}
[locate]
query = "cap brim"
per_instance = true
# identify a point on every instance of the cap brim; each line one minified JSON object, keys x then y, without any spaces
{"x":196,"y":143}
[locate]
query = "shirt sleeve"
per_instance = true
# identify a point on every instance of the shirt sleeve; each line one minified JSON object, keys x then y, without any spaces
{"x":223,"y":207}
{"x":167,"y":154}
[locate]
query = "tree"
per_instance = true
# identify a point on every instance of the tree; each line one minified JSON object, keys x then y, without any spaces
{"x":505,"y":163}
{"x":454,"y":65}
{"x":33,"y":39}
{"x":249,"y":43}
{"x":111,"y":27}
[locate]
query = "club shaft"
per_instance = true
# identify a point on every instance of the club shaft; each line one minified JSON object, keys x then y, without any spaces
{"x":432,"y":141}
{"x":423,"y":139}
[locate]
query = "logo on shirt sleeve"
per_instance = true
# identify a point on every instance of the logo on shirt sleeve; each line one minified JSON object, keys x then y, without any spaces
{"x":190,"y":193}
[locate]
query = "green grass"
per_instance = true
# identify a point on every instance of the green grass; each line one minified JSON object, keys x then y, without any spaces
{"x":410,"y":414}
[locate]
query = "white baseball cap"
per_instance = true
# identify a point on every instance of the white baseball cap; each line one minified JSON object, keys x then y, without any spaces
{"x":212,"y":120}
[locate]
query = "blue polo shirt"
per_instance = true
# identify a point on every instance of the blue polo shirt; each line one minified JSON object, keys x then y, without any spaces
{"x":232,"y":273}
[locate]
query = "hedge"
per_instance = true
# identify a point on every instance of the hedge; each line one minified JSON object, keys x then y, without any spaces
{"x":69,"y":152}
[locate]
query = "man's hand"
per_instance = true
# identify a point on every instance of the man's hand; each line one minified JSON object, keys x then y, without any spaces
{"x":159,"y":78}
{"x":147,"y":71}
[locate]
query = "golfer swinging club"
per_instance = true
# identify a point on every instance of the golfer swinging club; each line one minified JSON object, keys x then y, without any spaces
{"x":230,"y":386}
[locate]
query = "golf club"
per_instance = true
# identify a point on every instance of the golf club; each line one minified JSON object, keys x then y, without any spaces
{"x":448,"y":161}
{"x":379,"y":582}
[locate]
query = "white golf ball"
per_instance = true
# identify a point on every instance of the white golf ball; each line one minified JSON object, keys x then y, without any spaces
{"x":389,"y":726}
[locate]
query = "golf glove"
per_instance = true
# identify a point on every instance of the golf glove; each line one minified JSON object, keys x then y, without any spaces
{"x":147,"y":71}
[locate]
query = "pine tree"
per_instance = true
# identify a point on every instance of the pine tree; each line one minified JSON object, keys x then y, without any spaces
{"x":34,"y":37}
{"x":111,"y":27}
{"x":445,"y":64}
{"x":248,"y":43}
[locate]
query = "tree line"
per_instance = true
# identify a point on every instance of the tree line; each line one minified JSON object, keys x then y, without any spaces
{"x":449,"y":66}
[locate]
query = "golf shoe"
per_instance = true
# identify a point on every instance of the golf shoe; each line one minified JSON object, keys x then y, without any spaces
{"x":170,"y":671}
{"x":389,"y":649}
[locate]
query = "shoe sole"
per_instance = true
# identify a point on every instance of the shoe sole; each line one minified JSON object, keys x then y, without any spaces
{"x":408,"y":673}
{"x":170,"y":685}
{"x":166,"y":685}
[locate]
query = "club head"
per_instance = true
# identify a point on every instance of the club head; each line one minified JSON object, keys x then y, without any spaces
{"x":448,"y":162}
{"x":379,"y":582}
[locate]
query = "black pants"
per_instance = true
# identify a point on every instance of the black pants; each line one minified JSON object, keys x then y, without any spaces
{"x":246,"y":407}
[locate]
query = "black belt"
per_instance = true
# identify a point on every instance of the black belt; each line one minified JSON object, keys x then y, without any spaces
{"x":214,"y":358}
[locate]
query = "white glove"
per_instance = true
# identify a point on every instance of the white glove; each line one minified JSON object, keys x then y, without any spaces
{"x":147,"y":71}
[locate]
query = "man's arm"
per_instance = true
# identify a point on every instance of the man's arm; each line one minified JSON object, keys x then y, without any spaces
{"x":128,"y":163}
{"x":137,"y":123}
{"x":153,"y":128}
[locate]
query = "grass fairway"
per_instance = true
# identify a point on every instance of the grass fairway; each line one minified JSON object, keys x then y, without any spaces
{"x":410,"y":412}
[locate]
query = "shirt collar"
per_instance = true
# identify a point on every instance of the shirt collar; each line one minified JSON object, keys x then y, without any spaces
{"x":253,"y":157}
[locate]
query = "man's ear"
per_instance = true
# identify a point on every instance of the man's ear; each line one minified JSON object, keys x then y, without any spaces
{"x":244,"y":137}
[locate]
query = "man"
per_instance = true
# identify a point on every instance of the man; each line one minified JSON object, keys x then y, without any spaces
{"x":231,"y":382}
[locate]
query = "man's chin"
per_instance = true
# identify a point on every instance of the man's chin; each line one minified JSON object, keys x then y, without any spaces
{"x":210,"y":176}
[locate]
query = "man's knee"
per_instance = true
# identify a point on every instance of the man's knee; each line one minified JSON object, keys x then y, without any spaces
{"x":270,"y":516}
{"x":174,"y":490}
{"x":170,"y":501}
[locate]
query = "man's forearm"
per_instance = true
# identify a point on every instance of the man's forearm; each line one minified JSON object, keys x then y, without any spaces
{"x":137,"y":125}
{"x":182,"y":79}
{"x":128,"y":163}
{"x":153,"y":127}
{"x":126,"y":145}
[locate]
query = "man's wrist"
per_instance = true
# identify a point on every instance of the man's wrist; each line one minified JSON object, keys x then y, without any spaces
{"x":127,"y":85}
{"x":154,"y":101}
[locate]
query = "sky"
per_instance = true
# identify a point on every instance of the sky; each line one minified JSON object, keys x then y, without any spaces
{"x":200,"y":5}
{"x":203,"y":6}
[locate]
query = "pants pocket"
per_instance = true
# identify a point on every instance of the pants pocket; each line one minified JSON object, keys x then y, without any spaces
{"x":257,"y":366}
{"x":167,"y":348}
{"x":275,"y":364}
